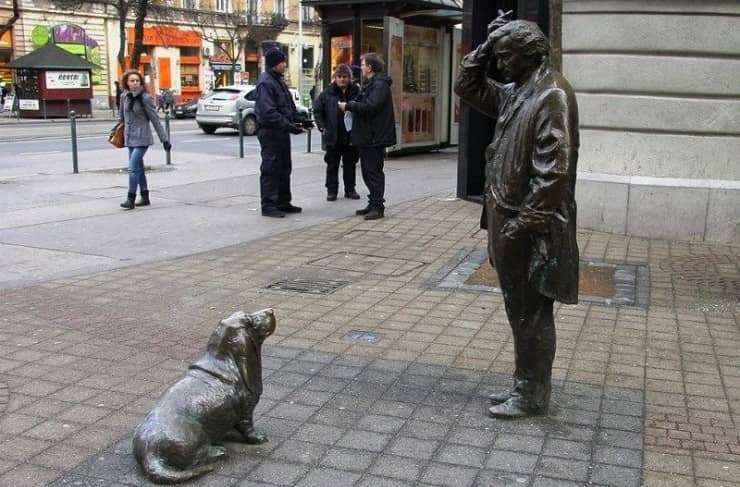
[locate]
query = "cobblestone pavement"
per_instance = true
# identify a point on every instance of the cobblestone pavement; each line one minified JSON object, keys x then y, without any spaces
{"x":644,"y":395}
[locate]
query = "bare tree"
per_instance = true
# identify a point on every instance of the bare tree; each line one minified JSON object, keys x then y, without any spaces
{"x":121,"y":9}
{"x":232,"y":32}
{"x":11,"y":21}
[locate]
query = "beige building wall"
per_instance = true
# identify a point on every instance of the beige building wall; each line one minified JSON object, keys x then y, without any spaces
{"x":94,"y":25}
{"x":659,"y":102}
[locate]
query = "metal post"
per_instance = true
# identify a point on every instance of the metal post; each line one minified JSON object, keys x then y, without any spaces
{"x":73,"y":128}
{"x":241,"y":133}
{"x":308,"y":135}
{"x":168,"y":156}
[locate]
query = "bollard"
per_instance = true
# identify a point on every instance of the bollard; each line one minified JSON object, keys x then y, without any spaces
{"x":73,"y":129}
{"x":168,"y":156}
{"x":241,"y":133}
{"x":308,"y":135}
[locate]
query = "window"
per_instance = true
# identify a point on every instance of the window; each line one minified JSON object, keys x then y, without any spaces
{"x":190,"y":4}
{"x":280,"y":7}
{"x":252,"y":8}
{"x":189,"y":75}
{"x":308,"y":14}
{"x":222,"y":5}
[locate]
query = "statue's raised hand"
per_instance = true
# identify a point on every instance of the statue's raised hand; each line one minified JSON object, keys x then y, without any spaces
{"x":499,"y":21}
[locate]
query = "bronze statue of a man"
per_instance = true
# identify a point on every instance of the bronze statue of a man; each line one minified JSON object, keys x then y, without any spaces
{"x":529,"y":199}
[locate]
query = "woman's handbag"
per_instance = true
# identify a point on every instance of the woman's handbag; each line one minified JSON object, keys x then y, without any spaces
{"x":116,"y":135}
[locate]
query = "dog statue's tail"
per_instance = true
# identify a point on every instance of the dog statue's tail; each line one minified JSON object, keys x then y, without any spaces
{"x":159,"y":472}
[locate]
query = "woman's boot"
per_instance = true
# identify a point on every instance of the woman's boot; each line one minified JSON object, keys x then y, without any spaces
{"x":129,"y":203}
{"x":144,"y":201}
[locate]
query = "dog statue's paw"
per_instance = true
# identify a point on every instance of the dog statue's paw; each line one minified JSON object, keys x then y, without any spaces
{"x":255,"y":438}
{"x":216,"y":452}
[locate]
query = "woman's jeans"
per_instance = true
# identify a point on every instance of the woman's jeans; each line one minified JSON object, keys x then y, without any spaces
{"x":136,"y":174}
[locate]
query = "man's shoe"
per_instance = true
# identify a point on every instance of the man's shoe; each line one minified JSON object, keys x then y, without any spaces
{"x":352,"y":194}
{"x":375,"y":214}
{"x":331,"y":196}
{"x":513,"y":409}
{"x":363,"y":211}
{"x":273,"y":213}
{"x":290,"y":208}
{"x":500,"y":397}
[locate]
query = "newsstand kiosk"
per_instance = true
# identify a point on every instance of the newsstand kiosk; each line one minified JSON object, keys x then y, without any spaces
{"x":49,"y":82}
{"x":415,"y":38}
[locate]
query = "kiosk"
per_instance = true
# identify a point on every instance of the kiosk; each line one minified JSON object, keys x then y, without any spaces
{"x":49,"y":82}
{"x":415,"y":39}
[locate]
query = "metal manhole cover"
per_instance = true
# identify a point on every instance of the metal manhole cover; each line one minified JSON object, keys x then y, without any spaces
{"x":359,"y":336}
{"x":310,"y":286}
{"x":713,"y":274}
{"x":371,"y":264}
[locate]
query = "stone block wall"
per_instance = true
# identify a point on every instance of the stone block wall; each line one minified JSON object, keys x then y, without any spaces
{"x":659,"y":100}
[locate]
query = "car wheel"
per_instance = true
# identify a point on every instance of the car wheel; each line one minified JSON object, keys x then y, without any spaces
{"x":250,"y":125}
{"x":209,"y":129}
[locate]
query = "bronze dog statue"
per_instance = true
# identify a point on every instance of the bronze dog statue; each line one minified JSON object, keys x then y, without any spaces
{"x":218,"y":394}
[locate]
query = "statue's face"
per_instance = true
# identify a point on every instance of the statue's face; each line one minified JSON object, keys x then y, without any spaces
{"x":510,"y":62}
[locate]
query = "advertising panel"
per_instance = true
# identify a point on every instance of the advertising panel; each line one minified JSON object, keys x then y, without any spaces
{"x":66,"y":80}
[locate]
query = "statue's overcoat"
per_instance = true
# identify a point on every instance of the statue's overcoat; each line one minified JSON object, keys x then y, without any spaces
{"x":531,"y":165}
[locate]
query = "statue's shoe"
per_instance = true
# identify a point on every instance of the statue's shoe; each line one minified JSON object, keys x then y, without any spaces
{"x":513,"y":409}
{"x":500,"y":397}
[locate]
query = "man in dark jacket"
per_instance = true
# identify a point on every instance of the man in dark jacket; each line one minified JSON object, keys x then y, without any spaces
{"x":530,"y":207}
{"x":335,"y":131}
{"x":277,"y":118}
{"x":373,"y":129}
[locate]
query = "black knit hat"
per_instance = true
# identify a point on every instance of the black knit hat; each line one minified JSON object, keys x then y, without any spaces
{"x":273,"y":57}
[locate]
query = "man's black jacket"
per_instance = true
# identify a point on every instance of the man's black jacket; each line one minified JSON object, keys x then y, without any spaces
{"x":327,"y":114}
{"x":373,"y":122}
{"x":274,"y":105}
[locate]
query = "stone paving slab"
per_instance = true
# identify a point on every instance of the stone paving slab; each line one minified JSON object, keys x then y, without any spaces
{"x":345,"y":420}
{"x":652,"y":390}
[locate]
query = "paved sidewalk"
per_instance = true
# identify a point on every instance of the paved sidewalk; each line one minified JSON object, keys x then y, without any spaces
{"x":382,"y":382}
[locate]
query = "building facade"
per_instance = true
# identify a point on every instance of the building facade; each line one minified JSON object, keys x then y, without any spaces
{"x":190,"y":46}
{"x":658,"y":94}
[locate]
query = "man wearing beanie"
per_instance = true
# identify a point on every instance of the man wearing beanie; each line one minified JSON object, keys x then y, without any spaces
{"x":335,"y":127}
{"x":277,"y":118}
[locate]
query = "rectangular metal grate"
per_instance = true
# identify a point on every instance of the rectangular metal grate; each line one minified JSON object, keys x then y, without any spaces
{"x":308,"y":285}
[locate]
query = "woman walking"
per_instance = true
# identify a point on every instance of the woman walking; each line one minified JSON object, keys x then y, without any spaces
{"x":137,"y":112}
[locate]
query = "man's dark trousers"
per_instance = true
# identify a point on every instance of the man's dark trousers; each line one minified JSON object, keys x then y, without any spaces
{"x":275,"y":169}
{"x":530,"y":313}
{"x":348,"y":156}
{"x":371,"y":164}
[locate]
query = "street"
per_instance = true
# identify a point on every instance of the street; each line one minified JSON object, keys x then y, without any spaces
{"x":46,"y":148}
{"x":54,"y":223}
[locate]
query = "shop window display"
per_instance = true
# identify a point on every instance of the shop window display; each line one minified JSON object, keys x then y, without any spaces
{"x":420,"y":75}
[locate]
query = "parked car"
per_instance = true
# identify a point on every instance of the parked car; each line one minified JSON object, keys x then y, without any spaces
{"x":221,"y":107}
{"x":186,"y":110}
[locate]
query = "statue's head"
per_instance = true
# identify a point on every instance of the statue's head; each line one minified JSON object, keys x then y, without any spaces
{"x":519,"y":47}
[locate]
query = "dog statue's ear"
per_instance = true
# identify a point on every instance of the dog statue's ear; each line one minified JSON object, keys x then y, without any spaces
{"x":247,"y":320}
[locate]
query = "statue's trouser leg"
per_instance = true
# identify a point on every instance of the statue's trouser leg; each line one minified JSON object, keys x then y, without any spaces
{"x":530,"y":313}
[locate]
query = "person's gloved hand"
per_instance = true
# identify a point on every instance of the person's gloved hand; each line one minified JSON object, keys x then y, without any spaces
{"x":295,"y":129}
{"x":167,"y":146}
{"x":307,"y":124}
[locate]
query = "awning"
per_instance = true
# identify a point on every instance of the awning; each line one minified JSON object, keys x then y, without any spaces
{"x":51,"y":57}
{"x":426,"y":4}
